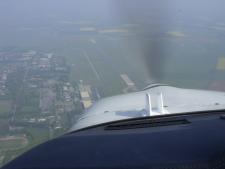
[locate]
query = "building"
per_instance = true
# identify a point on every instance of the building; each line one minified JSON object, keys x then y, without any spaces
{"x":85,"y":94}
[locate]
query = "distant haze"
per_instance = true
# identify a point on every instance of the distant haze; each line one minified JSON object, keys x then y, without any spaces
{"x":170,"y":28}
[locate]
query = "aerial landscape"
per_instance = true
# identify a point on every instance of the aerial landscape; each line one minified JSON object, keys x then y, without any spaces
{"x":56,"y":62}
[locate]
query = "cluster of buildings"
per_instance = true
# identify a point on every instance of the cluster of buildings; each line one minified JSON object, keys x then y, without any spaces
{"x":9,"y":62}
{"x":43,"y":62}
{"x":68,"y":91}
{"x":3,"y":79}
{"x":46,"y":97}
{"x":85,"y":95}
{"x":68,"y":97}
{"x":42,"y":73}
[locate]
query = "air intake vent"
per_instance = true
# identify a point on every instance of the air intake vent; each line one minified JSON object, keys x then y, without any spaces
{"x":146,"y":123}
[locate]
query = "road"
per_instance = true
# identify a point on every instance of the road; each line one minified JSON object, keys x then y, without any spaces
{"x":91,"y":65}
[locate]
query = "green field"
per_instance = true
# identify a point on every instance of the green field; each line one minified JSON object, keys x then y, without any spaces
{"x":4,"y":126}
{"x":35,"y":137}
{"x":11,"y":144}
{"x":111,"y":56}
{"x":186,"y":58}
{"x":5,"y":107}
{"x":101,"y":63}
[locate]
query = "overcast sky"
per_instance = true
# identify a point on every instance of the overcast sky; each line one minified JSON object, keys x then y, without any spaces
{"x":102,"y":10}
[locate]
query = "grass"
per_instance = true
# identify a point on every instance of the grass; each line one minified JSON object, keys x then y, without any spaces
{"x":16,"y":143}
{"x":109,"y":61}
{"x":35,"y":136}
{"x":29,"y":109}
{"x":5,"y":107}
{"x":4,"y":126}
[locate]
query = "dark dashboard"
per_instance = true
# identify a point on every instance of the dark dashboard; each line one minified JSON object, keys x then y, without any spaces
{"x":189,"y":141}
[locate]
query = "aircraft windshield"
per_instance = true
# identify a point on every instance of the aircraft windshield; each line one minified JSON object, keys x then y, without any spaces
{"x":58,"y":58}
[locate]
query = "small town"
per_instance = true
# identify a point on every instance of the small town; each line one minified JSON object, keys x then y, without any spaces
{"x":37,"y":101}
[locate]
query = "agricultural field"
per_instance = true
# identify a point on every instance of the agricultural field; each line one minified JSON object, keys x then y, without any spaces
{"x":5,"y":107}
{"x":13,"y":142}
{"x":100,"y":61}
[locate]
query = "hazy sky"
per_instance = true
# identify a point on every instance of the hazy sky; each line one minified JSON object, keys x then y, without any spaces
{"x":102,"y":10}
{"x":42,"y":17}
